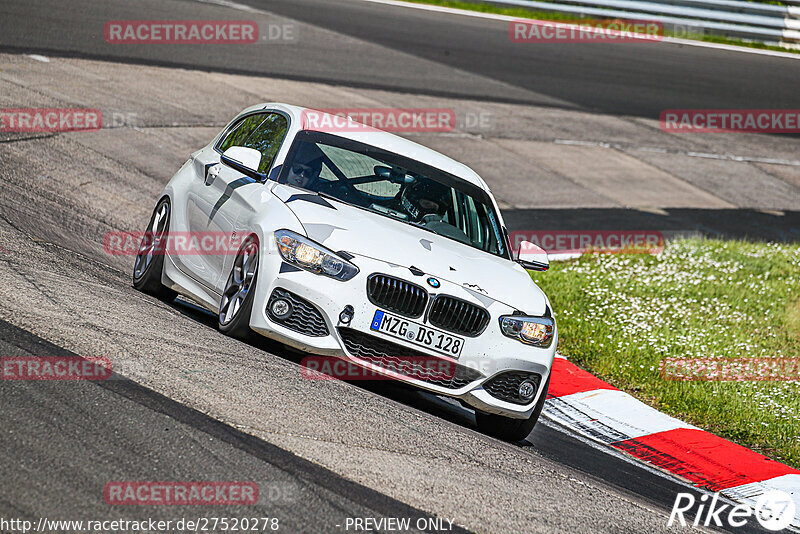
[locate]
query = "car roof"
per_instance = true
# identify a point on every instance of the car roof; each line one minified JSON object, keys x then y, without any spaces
{"x":386,"y":141}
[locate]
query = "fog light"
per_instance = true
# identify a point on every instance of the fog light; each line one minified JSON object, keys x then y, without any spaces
{"x":527,"y":390}
{"x":347,"y":315}
{"x":281,"y":308}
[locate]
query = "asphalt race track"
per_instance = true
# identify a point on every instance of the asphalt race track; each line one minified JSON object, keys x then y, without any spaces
{"x":401,"y":49}
{"x":187,"y":403}
{"x":440,"y":59}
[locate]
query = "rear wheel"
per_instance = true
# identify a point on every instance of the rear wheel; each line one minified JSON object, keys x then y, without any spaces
{"x":150,"y":258}
{"x":509,"y":429}
{"x":237,"y":299}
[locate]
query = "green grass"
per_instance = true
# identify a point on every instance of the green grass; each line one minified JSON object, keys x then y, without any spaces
{"x":522,"y":12}
{"x":619,"y":315}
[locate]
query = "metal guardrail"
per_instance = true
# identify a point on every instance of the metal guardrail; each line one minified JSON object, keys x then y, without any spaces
{"x":767,"y":23}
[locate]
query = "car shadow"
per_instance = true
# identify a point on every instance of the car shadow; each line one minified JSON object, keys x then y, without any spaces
{"x":448,"y":409}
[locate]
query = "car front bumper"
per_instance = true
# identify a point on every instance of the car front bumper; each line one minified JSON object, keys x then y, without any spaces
{"x":485,"y":356}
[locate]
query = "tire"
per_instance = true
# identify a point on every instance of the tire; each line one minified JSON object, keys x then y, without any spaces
{"x":149,"y":264}
{"x":236,"y":305}
{"x":509,"y":429}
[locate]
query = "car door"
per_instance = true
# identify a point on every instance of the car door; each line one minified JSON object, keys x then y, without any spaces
{"x":230,"y":213}
{"x":205,"y":191}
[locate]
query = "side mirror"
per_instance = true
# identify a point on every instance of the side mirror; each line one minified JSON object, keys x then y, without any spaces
{"x":532,"y":257}
{"x":245,"y":160}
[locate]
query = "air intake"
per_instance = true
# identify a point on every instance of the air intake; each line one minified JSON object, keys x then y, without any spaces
{"x":459,"y":316}
{"x":396,"y":295}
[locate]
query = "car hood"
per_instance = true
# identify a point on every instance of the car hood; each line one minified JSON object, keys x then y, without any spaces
{"x":342,"y":227}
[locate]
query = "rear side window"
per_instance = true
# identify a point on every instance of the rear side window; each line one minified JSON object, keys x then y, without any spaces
{"x":263,"y":131}
{"x":241,"y":131}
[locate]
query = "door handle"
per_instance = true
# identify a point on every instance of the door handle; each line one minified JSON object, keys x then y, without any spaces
{"x":211,"y":175}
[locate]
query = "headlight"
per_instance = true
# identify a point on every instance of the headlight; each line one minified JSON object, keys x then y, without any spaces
{"x":306,"y":254}
{"x":531,"y":330}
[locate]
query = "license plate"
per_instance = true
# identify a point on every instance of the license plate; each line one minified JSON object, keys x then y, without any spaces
{"x":418,"y":334}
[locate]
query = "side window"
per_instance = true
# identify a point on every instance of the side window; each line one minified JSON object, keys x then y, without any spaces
{"x":472,"y":229}
{"x":267,"y":139}
{"x":240,"y":132}
{"x":264,"y":132}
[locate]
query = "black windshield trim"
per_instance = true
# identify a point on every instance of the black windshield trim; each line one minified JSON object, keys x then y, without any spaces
{"x":408,"y":163}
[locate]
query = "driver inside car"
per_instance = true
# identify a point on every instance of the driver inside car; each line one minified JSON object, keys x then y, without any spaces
{"x":427,"y":202}
{"x":306,"y":166}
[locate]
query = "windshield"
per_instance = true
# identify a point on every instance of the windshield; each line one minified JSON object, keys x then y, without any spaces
{"x":394,"y":186}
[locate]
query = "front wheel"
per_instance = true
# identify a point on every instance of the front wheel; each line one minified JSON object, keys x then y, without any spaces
{"x":237,"y":299}
{"x":509,"y":429}
{"x":150,"y":257}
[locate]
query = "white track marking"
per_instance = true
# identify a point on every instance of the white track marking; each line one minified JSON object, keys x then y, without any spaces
{"x":691,"y":154}
{"x":233,"y":5}
{"x":611,"y":415}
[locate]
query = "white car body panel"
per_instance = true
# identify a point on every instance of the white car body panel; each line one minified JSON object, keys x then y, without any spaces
{"x":359,"y":232}
{"x":378,"y":244}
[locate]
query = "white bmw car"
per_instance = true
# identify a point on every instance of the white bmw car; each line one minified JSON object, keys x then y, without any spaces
{"x":362,"y":245}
